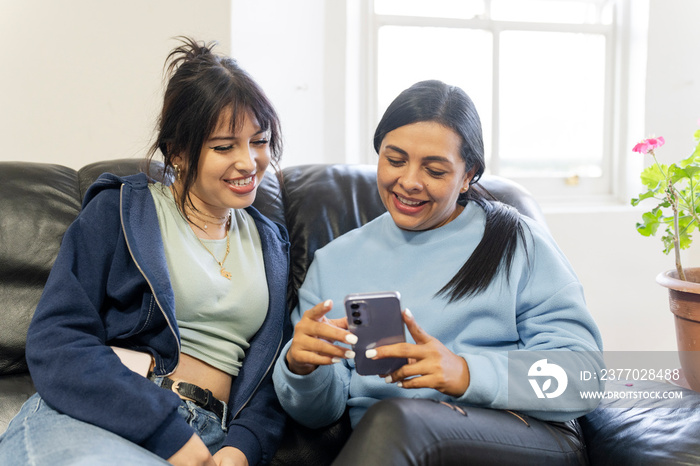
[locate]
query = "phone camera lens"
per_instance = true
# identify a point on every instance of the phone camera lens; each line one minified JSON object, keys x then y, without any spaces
{"x":358,"y":321}
{"x":356,"y":313}
{"x":354,"y":306}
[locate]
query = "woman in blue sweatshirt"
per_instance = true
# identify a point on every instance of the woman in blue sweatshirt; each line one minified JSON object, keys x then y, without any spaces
{"x":187,"y":277}
{"x":497,"y":316}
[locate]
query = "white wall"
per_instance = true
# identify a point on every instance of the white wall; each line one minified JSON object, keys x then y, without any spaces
{"x":282,"y":44}
{"x":296,"y":50}
{"x":673,"y":75}
{"x":80,"y":81}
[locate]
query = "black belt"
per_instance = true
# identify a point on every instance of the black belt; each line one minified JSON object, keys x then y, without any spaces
{"x":200,"y":396}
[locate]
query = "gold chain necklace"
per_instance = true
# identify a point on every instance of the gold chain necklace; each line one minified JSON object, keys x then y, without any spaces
{"x":224,"y":273}
{"x":227,"y":220}
{"x":209,"y":215}
{"x":204,"y":220}
{"x":198,"y":213}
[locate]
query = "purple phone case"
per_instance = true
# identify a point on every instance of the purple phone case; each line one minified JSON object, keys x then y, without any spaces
{"x":375,"y":318}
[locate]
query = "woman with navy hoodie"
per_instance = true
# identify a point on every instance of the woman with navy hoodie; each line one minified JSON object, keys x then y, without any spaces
{"x":184,"y":276}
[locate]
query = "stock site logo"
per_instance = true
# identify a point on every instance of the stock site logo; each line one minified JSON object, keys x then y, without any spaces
{"x":546,"y":372}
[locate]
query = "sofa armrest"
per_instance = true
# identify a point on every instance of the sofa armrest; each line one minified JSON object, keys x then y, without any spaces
{"x":644,"y":428}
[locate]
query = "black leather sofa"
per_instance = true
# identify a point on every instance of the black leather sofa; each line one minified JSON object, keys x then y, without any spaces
{"x":317,"y":203}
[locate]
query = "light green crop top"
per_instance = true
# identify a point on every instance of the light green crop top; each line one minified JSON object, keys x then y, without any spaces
{"x":217,"y":317}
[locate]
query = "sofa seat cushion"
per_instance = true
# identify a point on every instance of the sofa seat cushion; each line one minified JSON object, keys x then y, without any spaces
{"x":14,"y":391}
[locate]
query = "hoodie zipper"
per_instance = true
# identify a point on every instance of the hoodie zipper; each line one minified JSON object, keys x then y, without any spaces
{"x":269,"y":366}
{"x":138,"y":266}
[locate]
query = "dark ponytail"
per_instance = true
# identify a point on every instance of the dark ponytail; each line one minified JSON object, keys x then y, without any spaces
{"x":451,"y":107}
{"x":496,"y":249}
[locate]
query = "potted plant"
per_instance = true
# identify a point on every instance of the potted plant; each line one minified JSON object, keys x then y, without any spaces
{"x":676,"y":190}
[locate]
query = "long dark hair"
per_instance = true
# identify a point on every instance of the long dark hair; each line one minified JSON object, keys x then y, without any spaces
{"x":451,"y":107}
{"x":201,"y":86}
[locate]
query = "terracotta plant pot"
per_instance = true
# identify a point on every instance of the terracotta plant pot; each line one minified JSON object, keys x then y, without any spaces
{"x":684,"y":300}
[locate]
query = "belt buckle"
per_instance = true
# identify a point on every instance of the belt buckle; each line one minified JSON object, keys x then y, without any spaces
{"x":175,"y":387}
{"x":210,"y":403}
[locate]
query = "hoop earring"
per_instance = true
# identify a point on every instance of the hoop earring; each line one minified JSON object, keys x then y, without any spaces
{"x":178,"y":172}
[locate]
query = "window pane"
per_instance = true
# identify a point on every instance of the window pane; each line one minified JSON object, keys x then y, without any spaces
{"x":433,"y":8}
{"x":551,"y":104}
{"x":546,"y":11}
{"x":458,"y":57}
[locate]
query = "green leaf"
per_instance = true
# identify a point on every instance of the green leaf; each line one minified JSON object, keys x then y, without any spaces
{"x":650,"y":223}
{"x":668,"y":242}
{"x":652,"y":177}
{"x":685,"y":240}
{"x":693,"y":159}
{"x":643,"y":196}
{"x":691,"y":171}
{"x":684,"y":222}
{"x":676,"y":173}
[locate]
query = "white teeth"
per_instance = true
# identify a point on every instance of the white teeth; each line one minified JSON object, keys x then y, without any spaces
{"x":243,"y":182}
{"x":407,"y":202}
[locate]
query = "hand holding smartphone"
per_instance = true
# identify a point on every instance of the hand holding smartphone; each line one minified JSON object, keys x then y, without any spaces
{"x":375,"y":318}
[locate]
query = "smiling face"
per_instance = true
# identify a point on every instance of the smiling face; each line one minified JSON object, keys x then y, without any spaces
{"x":420,"y":174}
{"x":231,"y":166}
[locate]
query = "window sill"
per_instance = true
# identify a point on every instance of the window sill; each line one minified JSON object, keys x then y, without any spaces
{"x":589,"y":206}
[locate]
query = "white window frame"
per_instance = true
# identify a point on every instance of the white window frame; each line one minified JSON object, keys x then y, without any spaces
{"x":625,"y":60}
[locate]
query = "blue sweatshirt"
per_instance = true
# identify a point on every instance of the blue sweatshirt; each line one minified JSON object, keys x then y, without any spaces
{"x":110,"y":286}
{"x":539,"y":307}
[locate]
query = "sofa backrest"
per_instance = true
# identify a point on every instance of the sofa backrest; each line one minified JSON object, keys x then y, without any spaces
{"x":317,"y":203}
{"x":37,"y":203}
{"x":321,"y":203}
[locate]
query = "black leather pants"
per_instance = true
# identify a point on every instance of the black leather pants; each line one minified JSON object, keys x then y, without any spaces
{"x":413,"y":432}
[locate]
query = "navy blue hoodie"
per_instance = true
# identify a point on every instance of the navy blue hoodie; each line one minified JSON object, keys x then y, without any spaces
{"x":110,"y":286}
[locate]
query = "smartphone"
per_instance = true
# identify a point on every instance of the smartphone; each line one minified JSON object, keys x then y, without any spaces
{"x":375,"y":318}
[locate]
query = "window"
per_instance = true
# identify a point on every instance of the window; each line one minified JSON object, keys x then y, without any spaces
{"x":542,"y":73}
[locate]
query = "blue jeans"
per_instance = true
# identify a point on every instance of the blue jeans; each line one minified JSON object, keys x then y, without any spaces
{"x":40,"y":435}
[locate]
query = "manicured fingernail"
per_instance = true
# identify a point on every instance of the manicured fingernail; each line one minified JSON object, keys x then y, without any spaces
{"x":400,"y":385}
{"x":336,"y":360}
{"x":408,"y":313}
{"x":370,"y":353}
{"x":327,"y":304}
{"x":349,"y":354}
{"x":351,"y":338}
{"x":388,"y":379}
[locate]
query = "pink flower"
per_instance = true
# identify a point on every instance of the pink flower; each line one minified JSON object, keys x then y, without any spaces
{"x":656,"y":142}
{"x":648,"y":145}
{"x":642,"y":147}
